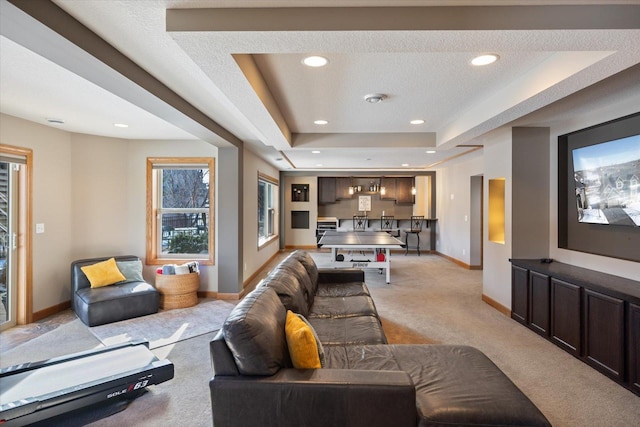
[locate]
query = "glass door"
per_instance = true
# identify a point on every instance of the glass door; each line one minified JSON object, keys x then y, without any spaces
{"x":8,"y":243}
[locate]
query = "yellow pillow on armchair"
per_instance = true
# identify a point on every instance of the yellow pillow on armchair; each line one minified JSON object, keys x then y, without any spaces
{"x":103,"y":273}
{"x":304,"y":347}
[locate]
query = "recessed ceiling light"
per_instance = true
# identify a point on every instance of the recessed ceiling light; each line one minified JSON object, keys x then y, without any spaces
{"x":320,"y":122}
{"x":315,"y":152}
{"x":485,"y":59}
{"x":121,"y":125}
{"x":319,"y":164}
{"x":315,"y":61}
{"x":405,"y":164}
{"x":417,"y":122}
{"x":430,"y":151}
{"x":374,"y":98}
{"x":55,"y":121}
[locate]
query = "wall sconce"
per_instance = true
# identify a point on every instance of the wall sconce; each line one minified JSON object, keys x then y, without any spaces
{"x":383,"y":191}
{"x":351,"y":190}
{"x":413,"y":190}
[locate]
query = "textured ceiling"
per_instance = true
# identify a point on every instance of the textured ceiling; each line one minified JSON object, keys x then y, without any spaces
{"x":251,"y":82}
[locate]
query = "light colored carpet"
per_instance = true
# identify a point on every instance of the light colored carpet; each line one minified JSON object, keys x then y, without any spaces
{"x":433,"y":298}
{"x":167,"y":326}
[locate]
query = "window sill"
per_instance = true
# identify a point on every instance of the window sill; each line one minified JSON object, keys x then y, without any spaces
{"x":267,"y":242}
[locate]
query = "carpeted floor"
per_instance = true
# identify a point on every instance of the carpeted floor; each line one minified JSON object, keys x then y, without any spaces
{"x":429,"y":300}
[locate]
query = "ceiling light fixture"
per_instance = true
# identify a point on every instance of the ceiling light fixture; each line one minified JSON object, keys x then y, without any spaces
{"x":55,"y":121}
{"x":430,"y":151}
{"x":320,"y":122}
{"x":319,"y":165}
{"x":374,"y":98}
{"x":121,"y":125}
{"x":485,"y":59}
{"x":315,"y":152}
{"x":405,"y":165}
{"x":417,"y":122}
{"x":315,"y":61}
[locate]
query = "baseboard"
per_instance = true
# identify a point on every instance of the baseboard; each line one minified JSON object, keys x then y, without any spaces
{"x":50,"y":311}
{"x":458,"y":262}
{"x":246,"y":285}
{"x":207,"y":294}
{"x":495,"y":304}
{"x":228,"y":296}
{"x":305,"y":247}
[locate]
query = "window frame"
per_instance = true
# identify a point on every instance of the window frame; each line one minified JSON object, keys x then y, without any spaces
{"x":153,"y":201}
{"x":275,"y":236}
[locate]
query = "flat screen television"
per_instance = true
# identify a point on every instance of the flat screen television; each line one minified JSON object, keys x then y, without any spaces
{"x":607,"y":182}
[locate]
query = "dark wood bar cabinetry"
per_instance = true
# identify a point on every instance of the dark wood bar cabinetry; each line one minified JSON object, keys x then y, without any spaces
{"x":592,"y":315}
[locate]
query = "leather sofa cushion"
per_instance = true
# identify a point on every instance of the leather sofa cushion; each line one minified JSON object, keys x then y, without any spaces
{"x":307,"y":262}
{"x":107,"y":293}
{"x":459,"y":385}
{"x":254,"y":332}
{"x":289,"y":289}
{"x":359,"y":305}
{"x":359,"y":330}
{"x":293,"y":266}
{"x":346,"y":289}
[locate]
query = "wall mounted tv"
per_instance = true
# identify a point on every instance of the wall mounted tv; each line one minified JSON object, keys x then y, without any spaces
{"x":607,"y":182}
{"x":599,"y":189}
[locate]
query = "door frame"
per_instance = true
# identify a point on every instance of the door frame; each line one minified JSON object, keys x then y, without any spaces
{"x":24,"y":252}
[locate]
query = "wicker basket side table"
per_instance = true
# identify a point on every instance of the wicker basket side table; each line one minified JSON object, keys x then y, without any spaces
{"x":178,"y":291}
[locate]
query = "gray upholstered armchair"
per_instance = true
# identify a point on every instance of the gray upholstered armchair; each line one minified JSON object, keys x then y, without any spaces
{"x":131,"y":297}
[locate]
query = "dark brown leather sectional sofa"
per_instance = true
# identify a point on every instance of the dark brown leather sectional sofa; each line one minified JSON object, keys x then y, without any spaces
{"x":364,"y":381}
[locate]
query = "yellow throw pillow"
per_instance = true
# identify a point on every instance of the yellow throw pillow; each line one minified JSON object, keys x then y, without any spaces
{"x":103,"y":273}
{"x":302,"y":344}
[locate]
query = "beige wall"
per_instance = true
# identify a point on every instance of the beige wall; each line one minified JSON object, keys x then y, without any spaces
{"x":254,"y":258}
{"x":90,"y":193}
{"x":52,"y":205}
{"x":300,"y":237}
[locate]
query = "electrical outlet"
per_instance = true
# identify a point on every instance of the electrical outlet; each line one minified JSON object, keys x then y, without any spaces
{"x":464,"y":252}
{"x":466,"y":218}
{"x":39,"y":228}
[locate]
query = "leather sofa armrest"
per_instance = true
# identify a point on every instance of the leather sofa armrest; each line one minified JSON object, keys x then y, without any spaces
{"x":315,"y":397}
{"x":340,"y":275}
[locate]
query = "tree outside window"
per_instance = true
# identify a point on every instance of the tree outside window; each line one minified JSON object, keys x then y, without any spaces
{"x":180,"y":214}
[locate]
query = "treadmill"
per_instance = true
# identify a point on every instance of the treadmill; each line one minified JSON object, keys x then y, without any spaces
{"x":36,"y":391}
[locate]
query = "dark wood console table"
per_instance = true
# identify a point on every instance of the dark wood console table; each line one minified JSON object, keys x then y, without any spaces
{"x":592,"y":315}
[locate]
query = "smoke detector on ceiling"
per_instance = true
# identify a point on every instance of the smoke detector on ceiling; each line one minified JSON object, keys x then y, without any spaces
{"x":374,"y":98}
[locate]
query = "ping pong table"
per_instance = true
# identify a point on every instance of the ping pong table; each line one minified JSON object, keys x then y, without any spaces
{"x":366,"y":247}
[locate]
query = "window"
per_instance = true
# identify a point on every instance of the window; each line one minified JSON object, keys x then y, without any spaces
{"x":267,"y":201}
{"x":180,"y":210}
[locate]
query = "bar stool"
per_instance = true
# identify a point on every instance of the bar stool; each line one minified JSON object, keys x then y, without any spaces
{"x":359,"y":222}
{"x":416,"y":228}
{"x":386,"y":224}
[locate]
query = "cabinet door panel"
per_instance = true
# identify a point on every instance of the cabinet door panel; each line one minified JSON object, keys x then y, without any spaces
{"x":342,"y":188}
{"x":604,"y":333}
{"x":634,"y":347}
{"x":404,"y":186}
{"x":519,"y":294}
{"x":539,"y":301}
{"x":326,"y":190}
{"x":565,"y":316}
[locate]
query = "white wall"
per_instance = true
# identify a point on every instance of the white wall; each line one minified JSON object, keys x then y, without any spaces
{"x":253,"y":257}
{"x":52,"y":206}
{"x":496,"y":274}
{"x":453,"y":201}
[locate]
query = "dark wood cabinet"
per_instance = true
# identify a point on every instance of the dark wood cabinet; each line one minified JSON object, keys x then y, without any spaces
{"x":634,"y":347}
{"x":519,"y":294}
{"x":604,"y":333}
{"x":342,"y":187}
{"x":539,"y":303}
{"x":404,"y":190}
{"x":565,"y":316}
{"x":592,"y":315}
{"x":389,"y":185}
{"x":326,"y":190}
